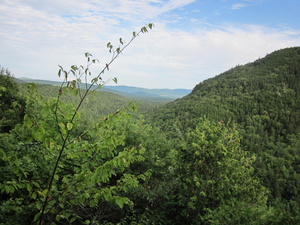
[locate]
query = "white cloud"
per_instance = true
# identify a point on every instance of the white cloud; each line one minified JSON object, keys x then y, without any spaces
{"x":238,"y":6}
{"x":39,"y":35}
{"x":174,"y":4}
{"x":174,"y":55}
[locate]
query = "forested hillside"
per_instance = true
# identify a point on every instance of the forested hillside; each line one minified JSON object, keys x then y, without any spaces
{"x":263,"y":99}
{"x":227,"y":153}
{"x":270,"y":83}
{"x":97,"y":104}
{"x":159,"y":96}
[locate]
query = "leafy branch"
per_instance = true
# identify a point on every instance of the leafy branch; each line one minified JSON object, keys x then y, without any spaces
{"x":79,"y":72}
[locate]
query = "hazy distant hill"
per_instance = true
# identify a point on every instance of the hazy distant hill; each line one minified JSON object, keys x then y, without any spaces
{"x":160,"y":95}
{"x":167,"y":93}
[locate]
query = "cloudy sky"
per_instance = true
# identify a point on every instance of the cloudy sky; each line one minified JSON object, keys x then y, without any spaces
{"x":192,"y":40}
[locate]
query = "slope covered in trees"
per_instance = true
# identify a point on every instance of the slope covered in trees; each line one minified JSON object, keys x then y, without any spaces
{"x":263,"y":99}
{"x":266,"y":84}
{"x":11,"y":104}
{"x":136,"y":93}
{"x":98,"y":104}
{"x":228,"y":153}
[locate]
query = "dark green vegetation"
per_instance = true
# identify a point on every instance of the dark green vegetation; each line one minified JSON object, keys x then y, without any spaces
{"x":263,"y":99}
{"x":228,"y":153}
{"x":10,"y":116}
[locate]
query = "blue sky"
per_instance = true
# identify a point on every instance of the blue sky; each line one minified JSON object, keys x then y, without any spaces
{"x":192,"y":40}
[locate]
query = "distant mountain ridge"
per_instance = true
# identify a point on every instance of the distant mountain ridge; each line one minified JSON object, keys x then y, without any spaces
{"x":128,"y":91}
{"x":165,"y":93}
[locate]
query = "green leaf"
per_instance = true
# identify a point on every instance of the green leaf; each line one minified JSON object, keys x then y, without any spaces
{"x":144,"y":29}
{"x":150,"y":25}
{"x":115,"y":80}
{"x":61,"y":125}
{"x":51,"y":144}
{"x":94,"y":80}
{"x":33,"y":195}
{"x":9,"y":189}
{"x":38,"y":133}
{"x":2,"y":154}
{"x":74,"y":67}
{"x":72,"y":219}
{"x":35,"y":184}
{"x":58,"y":218}
{"x":27,"y":121}
{"x":36,"y":217}
{"x":43,"y":193}
{"x":59,"y":71}
{"x":29,"y":187}
{"x":69,"y":126}
{"x":120,"y":203}
{"x":87,"y":55}
{"x":56,"y":177}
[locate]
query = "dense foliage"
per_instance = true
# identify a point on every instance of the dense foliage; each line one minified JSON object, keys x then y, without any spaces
{"x":11,"y":104}
{"x":263,"y":99}
{"x":228,"y":153}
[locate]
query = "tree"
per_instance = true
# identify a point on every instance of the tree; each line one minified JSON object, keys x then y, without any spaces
{"x":218,"y":186}
{"x":11,"y":104}
{"x":66,"y":173}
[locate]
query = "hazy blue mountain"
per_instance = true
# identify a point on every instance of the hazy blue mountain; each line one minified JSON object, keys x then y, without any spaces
{"x":164,"y":95}
{"x":136,"y":91}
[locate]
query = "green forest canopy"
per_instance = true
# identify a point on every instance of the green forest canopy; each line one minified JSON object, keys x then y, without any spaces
{"x":228,"y":153}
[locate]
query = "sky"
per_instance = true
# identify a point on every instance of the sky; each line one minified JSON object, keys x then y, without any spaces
{"x":192,"y":40}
